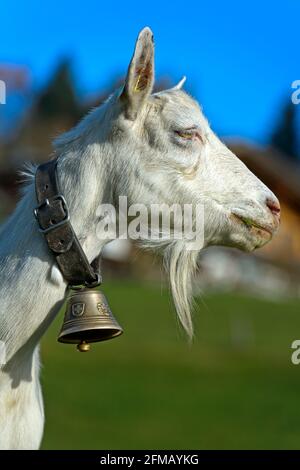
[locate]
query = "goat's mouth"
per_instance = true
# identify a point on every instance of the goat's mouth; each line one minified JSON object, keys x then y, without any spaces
{"x":263,"y":231}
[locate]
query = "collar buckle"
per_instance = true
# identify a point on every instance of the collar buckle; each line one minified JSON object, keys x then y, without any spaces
{"x":47,"y":203}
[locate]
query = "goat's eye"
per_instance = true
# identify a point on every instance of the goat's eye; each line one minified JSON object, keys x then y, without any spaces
{"x":188,"y":134}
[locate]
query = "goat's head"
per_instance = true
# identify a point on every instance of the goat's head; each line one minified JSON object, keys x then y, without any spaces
{"x":174,"y":156}
{"x":167,"y":153}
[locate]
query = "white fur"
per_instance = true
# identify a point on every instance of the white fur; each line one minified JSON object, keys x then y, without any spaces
{"x":129,"y":146}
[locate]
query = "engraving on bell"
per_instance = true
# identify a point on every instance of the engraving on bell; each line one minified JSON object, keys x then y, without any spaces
{"x":78,"y":309}
{"x":102,"y":308}
{"x":88,"y":319}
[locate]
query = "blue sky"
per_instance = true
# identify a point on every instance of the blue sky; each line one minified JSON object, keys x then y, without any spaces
{"x":240,"y":58}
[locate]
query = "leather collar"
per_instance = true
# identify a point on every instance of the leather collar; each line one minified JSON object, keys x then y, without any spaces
{"x":53,"y":217}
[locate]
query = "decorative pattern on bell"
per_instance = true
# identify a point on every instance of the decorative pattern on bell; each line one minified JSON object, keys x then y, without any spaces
{"x":88,"y":319}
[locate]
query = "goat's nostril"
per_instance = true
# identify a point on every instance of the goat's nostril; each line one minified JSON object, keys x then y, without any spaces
{"x":274,"y":206}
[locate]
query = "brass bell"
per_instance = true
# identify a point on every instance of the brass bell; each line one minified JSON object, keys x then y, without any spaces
{"x":88,"y":319}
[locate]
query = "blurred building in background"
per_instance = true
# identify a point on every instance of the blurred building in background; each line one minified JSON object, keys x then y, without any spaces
{"x":273,"y":270}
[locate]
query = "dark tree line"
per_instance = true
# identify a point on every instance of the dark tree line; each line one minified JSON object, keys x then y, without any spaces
{"x":286,"y":135}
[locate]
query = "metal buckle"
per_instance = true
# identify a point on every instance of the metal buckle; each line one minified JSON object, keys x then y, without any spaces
{"x":46,"y":202}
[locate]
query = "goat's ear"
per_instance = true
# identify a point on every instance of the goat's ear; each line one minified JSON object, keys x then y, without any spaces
{"x":140,"y":75}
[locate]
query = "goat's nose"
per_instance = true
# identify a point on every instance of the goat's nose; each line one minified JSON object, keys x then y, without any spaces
{"x":274,"y":206}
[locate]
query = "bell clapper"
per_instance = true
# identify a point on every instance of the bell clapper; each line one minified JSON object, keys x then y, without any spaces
{"x":83,"y":346}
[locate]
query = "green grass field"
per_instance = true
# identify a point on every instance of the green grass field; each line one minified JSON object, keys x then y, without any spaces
{"x":234,"y":388}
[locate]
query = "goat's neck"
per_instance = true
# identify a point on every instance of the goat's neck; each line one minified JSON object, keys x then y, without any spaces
{"x":85,"y":183}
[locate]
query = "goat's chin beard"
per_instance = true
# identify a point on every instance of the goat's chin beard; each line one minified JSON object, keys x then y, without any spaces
{"x":180,"y":264}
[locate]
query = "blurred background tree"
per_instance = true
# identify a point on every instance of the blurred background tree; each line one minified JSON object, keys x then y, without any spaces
{"x":59,"y":97}
{"x":285,"y":136}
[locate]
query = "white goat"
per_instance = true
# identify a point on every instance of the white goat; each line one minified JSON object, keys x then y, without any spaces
{"x":151,"y":148}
